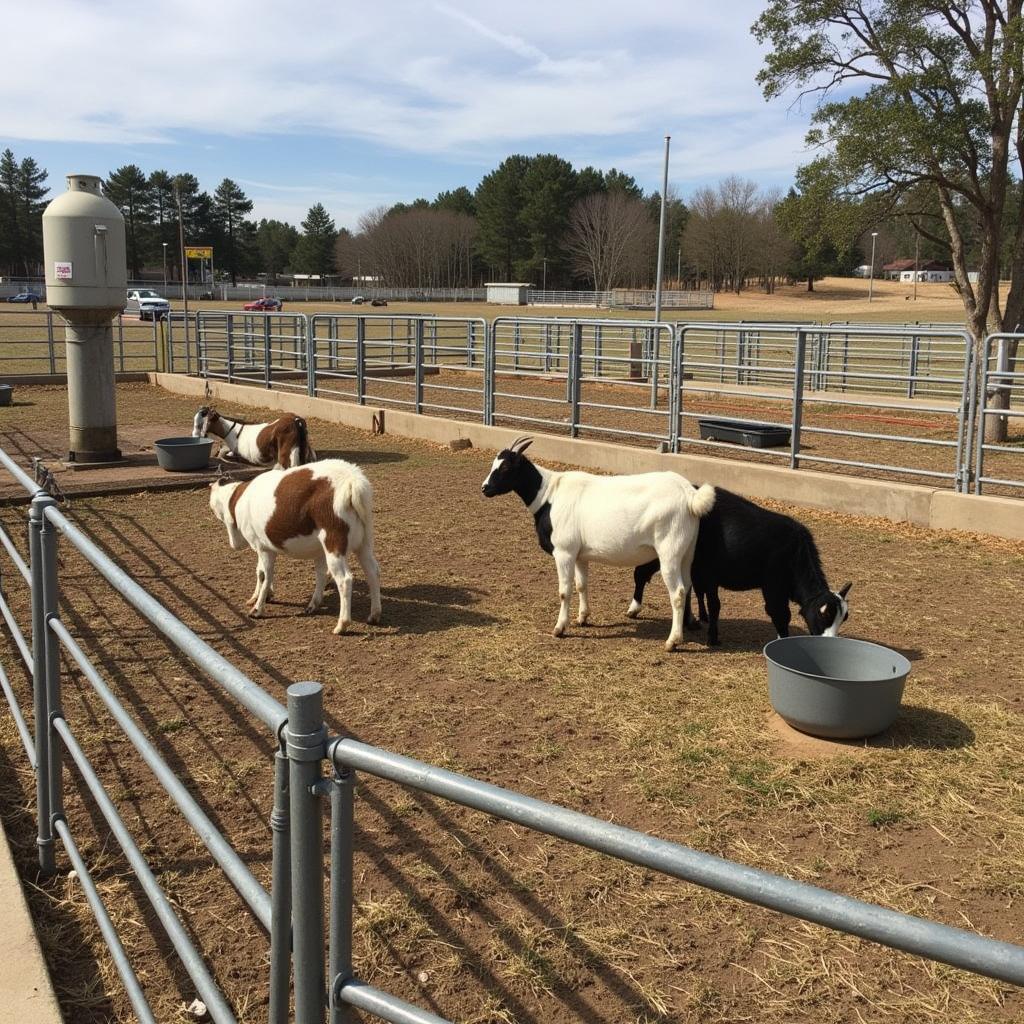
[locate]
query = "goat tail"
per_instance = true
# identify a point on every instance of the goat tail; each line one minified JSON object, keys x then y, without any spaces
{"x":701,"y":500}
{"x":306,"y":453}
{"x":357,"y":492}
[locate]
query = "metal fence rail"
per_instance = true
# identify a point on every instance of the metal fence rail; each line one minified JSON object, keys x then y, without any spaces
{"x":293,"y":911}
{"x":32,"y":342}
{"x":638,"y":381}
{"x":999,"y":381}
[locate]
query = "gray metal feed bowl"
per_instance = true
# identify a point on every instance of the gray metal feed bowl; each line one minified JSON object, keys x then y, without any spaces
{"x":835,"y":687}
{"x":179,"y":454}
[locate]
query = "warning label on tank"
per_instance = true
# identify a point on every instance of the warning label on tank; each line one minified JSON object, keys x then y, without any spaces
{"x":62,"y":271}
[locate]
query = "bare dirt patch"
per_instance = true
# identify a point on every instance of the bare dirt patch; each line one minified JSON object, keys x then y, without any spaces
{"x":505,"y":925}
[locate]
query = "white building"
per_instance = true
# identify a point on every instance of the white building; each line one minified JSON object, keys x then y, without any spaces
{"x":507,"y":294}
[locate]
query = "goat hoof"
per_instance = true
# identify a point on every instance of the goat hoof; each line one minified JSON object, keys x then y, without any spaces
{"x":558,"y":631}
{"x":374,"y":618}
{"x":583,"y":620}
{"x":714,"y":643}
{"x":311,"y":609}
{"x":340,"y":628}
{"x":670,"y":645}
{"x":633,"y":611}
{"x":255,"y":613}
{"x":693,"y":625}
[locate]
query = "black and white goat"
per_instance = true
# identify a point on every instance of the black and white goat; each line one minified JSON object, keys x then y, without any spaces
{"x":741,"y":546}
{"x":282,"y":443}
{"x":619,"y":520}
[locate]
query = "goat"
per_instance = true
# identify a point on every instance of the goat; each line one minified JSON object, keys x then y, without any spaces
{"x":283,"y":442}
{"x":620,"y":520}
{"x":741,"y":546}
{"x":321,"y":512}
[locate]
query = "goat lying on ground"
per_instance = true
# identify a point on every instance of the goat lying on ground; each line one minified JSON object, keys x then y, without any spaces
{"x":282,"y":442}
{"x":741,"y":546}
{"x":620,"y":520}
{"x":322,"y":512}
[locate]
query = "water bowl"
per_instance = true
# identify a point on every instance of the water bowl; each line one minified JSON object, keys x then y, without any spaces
{"x":835,"y":687}
{"x":180,"y":454}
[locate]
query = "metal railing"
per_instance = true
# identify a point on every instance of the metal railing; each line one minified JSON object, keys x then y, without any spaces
{"x":1000,"y":379}
{"x":32,"y":342}
{"x":292,"y":912}
{"x":637,"y":381}
{"x":622,"y":298}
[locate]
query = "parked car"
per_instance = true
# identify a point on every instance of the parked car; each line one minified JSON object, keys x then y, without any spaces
{"x":358,"y":300}
{"x":264,"y":304}
{"x":32,"y":297}
{"x":378,"y":302}
{"x":147,"y":304}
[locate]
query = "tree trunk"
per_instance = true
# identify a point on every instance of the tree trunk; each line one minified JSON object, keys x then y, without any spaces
{"x":810,"y":283}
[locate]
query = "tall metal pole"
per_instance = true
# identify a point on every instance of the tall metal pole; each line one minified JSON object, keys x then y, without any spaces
{"x":184,"y":261}
{"x":165,"y":267}
{"x":661,"y":233}
{"x":871,"y":280}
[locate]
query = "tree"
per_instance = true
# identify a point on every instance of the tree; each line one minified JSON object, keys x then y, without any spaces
{"x":938,"y":91}
{"x":619,"y":181}
{"x":164,"y":216}
{"x":549,"y":190}
{"x":820,"y":225}
{"x":128,"y":189}
{"x":499,"y":201}
{"x":609,"y":233}
{"x":314,"y":253}
{"x":230,"y":204}
{"x":22,"y":194}
{"x":459,"y":200}
{"x":275,"y":243}
{"x":11,"y":242}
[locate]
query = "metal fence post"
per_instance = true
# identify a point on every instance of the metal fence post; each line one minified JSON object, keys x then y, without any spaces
{"x":798,"y":399}
{"x":915,"y":342}
{"x":306,"y":738}
{"x":575,"y":358}
{"x":676,"y":400}
{"x":43,"y":565}
{"x":361,"y":360}
{"x":120,"y":342}
{"x":309,"y":346}
{"x":266,"y":351}
{"x":490,"y":334}
{"x":342,"y":842}
{"x":418,"y":371}
{"x":49,"y":341}
{"x":229,"y":324}
{"x":280,"y":896}
{"x":979,"y":395}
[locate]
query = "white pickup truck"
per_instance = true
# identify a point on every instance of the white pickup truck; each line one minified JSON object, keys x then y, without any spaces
{"x":146,"y":304}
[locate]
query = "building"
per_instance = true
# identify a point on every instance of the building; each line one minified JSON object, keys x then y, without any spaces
{"x":507,"y":294}
{"x":927,"y":271}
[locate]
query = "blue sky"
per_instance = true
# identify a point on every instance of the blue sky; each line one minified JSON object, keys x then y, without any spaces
{"x":355,"y":105}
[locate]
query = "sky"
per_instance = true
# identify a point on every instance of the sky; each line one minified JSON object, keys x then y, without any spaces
{"x":358,"y":105}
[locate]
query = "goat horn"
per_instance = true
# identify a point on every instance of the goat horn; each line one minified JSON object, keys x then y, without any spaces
{"x":522,"y":444}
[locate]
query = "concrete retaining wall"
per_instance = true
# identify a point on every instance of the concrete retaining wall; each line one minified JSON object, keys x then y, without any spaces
{"x":898,"y":502}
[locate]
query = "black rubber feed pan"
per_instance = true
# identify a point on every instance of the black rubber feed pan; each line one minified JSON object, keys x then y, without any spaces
{"x":835,"y":687}
{"x":753,"y":435}
{"x":6,"y":394}
{"x":180,"y":454}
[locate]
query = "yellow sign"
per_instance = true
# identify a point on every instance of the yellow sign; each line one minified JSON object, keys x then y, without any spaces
{"x":199,"y":252}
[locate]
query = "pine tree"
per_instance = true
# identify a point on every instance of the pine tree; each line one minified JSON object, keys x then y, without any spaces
{"x":499,"y":204}
{"x":315,"y":252}
{"x":128,"y":189}
{"x":165,"y":215}
{"x":230,"y":204}
{"x":10,"y":233}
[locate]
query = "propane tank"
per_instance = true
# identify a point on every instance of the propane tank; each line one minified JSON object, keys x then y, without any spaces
{"x":86,"y":282}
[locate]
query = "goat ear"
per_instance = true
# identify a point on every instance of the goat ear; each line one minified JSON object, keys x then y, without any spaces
{"x":823,"y":609}
{"x":845,"y":589}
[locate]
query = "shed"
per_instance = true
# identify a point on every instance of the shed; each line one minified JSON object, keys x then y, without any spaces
{"x":507,"y":294}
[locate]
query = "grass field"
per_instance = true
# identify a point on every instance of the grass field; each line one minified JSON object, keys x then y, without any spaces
{"x":484,"y":922}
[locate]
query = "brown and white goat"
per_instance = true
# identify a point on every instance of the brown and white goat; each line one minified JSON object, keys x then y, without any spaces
{"x":283,"y":442}
{"x":321,"y":512}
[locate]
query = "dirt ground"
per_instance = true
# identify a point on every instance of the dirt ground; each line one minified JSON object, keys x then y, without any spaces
{"x":482,"y":921}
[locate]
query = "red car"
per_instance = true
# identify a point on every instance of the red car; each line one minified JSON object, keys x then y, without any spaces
{"x":263,"y":305}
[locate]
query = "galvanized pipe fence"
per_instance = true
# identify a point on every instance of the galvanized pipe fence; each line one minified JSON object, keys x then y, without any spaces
{"x":292,"y":911}
{"x":891,"y":401}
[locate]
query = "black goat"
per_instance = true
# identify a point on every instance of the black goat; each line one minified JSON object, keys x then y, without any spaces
{"x":741,"y":546}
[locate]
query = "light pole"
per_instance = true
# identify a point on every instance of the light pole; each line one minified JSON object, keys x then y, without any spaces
{"x":544,"y":282}
{"x":661,"y":234}
{"x":164,"y":244}
{"x":917,"y":263}
{"x":679,"y":266}
{"x":871,"y":279}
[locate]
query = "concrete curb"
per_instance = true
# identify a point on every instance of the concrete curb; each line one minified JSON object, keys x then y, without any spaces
{"x":897,"y":502}
{"x":26,"y":991}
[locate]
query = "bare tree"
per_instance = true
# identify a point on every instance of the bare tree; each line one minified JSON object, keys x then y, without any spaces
{"x":608,"y":235}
